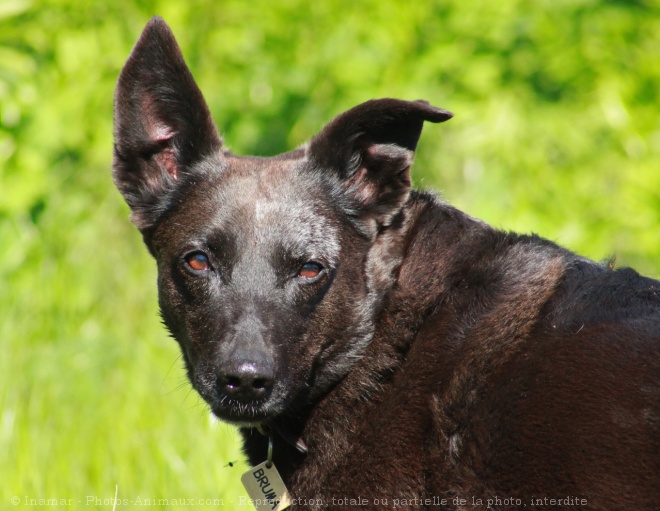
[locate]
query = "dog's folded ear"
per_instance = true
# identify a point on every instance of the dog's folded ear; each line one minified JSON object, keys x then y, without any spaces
{"x":162,"y":125}
{"x":371,"y":148}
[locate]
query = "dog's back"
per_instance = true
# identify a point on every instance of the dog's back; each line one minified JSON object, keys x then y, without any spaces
{"x":398,"y":353}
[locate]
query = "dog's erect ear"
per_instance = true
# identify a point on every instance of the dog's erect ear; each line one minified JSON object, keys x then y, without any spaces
{"x":371,"y":148}
{"x":161,"y":123}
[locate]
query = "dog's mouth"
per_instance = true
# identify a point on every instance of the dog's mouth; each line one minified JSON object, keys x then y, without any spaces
{"x":241,"y":413}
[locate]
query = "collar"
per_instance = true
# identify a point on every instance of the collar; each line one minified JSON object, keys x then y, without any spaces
{"x":295,"y":442}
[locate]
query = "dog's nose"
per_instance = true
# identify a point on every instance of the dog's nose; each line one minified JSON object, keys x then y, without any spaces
{"x":246,"y":380}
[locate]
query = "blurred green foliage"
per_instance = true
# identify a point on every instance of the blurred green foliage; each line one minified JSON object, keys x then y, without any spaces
{"x":556,"y":131}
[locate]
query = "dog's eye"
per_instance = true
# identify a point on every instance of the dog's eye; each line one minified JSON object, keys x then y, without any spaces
{"x":310,"y":270}
{"x":198,"y":261}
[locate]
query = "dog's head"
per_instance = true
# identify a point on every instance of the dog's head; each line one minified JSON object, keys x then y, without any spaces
{"x":270,"y":270}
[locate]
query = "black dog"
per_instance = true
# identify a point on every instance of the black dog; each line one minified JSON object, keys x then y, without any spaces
{"x":399,"y":353}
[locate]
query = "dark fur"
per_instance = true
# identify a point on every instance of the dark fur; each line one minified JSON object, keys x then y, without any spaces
{"x":434,"y":357}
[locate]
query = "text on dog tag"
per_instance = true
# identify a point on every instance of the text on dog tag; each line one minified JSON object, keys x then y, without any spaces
{"x":266,"y":488}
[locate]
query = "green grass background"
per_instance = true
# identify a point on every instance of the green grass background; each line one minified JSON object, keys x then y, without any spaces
{"x":556,"y":131}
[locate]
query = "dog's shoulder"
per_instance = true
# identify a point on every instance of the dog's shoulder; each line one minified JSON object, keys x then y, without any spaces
{"x":475,"y":274}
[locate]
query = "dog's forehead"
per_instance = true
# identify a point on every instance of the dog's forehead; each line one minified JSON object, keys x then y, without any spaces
{"x":263,"y":181}
{"x":261,"y":201}
{"x":264,"y":190}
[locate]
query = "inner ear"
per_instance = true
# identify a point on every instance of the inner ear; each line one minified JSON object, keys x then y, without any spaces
{"x":160,"y":136}
{"x":380,"y":173}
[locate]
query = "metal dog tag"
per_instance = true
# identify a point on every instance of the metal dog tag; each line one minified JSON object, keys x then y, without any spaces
{"x":266,"y":488}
